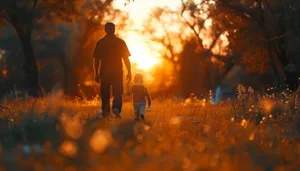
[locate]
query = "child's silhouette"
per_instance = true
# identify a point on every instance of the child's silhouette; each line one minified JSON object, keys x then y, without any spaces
{"x":140,"y":94}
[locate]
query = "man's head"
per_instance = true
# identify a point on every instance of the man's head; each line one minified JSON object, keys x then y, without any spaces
{"x":110,"y":28}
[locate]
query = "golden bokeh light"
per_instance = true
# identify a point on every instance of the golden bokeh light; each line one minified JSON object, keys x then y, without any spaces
{"x":100,"y":140}
{"x":72,"y":126}
{"x":68,"y":148}
{"x":4,"y":72}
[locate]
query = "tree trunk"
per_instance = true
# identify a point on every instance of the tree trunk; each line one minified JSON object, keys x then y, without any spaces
{"x":274,"y":67}
{"x":30,"y":67}
{"x":70,"y":80}
{"x":291,"y":76}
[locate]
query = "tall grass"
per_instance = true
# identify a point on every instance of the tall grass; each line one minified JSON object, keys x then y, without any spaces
{"x":259,"y":132}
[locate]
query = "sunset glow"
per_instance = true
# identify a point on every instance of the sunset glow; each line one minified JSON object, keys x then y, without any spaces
{"x":143,"y":56}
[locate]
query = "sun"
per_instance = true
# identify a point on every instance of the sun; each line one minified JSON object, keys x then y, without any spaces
{"x":141,"y":56}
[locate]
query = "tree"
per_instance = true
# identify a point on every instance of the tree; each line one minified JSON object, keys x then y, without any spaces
{"x":278,"y":22}
{"x":179,"y":34}
{"x":28,"y":17}
{"x":168,"y":35}
{"x":211,"y":35}
{"x":166,"y":28}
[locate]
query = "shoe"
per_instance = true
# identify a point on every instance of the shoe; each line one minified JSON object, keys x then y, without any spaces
{"x":117,"y":113}
{"x":100,"y":112}
{"x":137,"y":118}
{"x":142,"y":117}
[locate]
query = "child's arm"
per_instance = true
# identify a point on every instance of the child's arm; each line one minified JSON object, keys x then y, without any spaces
{"x":148,"y":98}
{"x":128,"y":90}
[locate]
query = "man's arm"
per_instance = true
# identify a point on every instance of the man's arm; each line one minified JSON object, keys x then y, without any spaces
{"x":126,"y":60}
{"x":148,"y":98}
{"x":128,"y":67}
{"x":97,"y":63}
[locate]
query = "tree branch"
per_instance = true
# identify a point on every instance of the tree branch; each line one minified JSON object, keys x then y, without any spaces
{"x":168,"y":46}
{"x":215,"y":41}
{"x":192,"y":27}
{"x":34,"y":5}
{"x":221,"y":58}
{"x":3,"y":13}
{"x":229,"y":65}
{"x":267,"y":5}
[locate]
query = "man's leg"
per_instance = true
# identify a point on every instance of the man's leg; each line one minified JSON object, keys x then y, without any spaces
{"x":117,"y":88}
{"x":105,"y":96}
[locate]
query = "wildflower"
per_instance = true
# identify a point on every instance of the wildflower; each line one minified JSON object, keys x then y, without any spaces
{"x":73,"y":127}
{"x":241,"y":92}
{"x":186,"y":163}
{"x":187,"y":101}
{"x":68,"y":148}
{"x":100,"y":140}
{"x":140,"y":137}
{"x":206,"y":128}
{"x":203,"y":102}
{"x":175,"y":121}
{"x":251,"y":136}
{"x":244,"y":123}
{"x":201,"y":146}
{"x":147,"y":127}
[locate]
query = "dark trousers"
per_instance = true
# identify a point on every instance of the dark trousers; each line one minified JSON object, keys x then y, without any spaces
{"x":116,"y":82}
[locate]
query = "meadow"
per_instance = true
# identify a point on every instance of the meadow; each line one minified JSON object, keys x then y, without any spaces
{"x":249,"y":133}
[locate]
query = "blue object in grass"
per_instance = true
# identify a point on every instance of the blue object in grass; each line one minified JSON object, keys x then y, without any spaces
{"x":26,"y":149}
{"x":217,"y":96}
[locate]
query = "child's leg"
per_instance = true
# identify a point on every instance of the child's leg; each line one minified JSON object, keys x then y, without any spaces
{"x":136,"y":110}
{"x":142,"y":110}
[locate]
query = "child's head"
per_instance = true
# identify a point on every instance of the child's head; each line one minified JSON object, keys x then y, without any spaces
{"x":138,"y":78}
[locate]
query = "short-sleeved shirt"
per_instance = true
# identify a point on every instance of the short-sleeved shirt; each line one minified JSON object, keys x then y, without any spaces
{"x":139,"y":92}
{"x":111,"y":50}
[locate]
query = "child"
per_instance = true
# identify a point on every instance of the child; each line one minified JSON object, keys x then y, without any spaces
{"x":139,"y":93}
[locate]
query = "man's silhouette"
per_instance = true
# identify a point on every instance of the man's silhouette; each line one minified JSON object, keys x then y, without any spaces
{"x":108,"y":55}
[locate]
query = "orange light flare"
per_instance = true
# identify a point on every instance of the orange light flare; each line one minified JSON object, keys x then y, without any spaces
{"x":145,"y":65}
{"x":146,"y":57}
{"x":4,"y":73}
{"x":267,"y":105}
{"x":142,"y":57}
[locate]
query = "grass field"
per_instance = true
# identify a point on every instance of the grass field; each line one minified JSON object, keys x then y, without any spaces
{"x":56,"y":134}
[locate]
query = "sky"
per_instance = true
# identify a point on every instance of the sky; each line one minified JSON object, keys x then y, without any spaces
{"x":142,"y":54}
{"x":139,"y":9}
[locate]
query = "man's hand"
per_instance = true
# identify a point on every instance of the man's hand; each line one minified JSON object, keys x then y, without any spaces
{"x":129,"y":77}
{"x":97,"y":78}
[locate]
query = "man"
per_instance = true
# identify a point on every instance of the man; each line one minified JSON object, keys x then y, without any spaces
{"x":108,"y":55}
